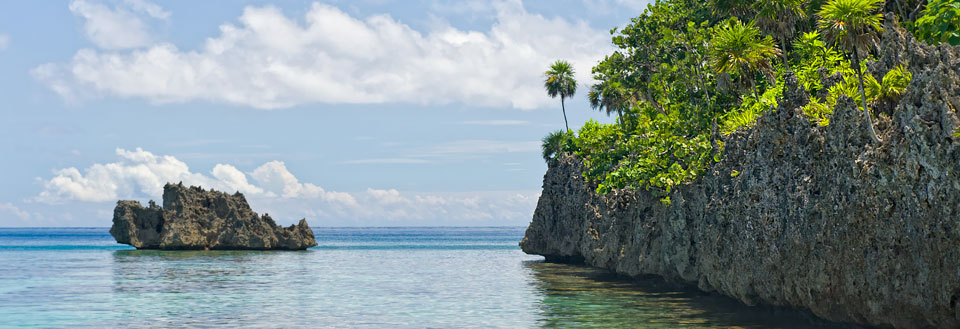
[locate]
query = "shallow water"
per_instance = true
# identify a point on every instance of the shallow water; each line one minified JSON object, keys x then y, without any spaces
{"x":357,"y":277}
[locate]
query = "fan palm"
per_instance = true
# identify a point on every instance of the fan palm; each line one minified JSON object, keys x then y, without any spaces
{"x":559,"y":81}
{"x":554,"y":144}
{"x":609,"y":96}
{"x":737,"y":49}
{"x":853,"y":26}
{"x":779,"y":18}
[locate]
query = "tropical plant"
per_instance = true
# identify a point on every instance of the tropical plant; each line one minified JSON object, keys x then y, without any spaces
{"x":738,"y":49}
{"x":609,"y":96}
{"x":893,"y":84}
{"x":559,"y":81}
{"x":556,"y":143}
{"x":853,"y":26}
{"x":940,"y":22}
{"x":779,"y":18}
{"x":812,"y":56}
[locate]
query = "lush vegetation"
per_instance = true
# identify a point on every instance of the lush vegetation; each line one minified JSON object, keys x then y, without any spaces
{"x":940,"y":22}
{"x":686,"y":72}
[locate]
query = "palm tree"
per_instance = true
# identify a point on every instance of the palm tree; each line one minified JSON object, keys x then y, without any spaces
{"x":558,"y":80}
{"x":779,"y":19}
{"x":853,"y":26}
{"x":554,"y":143}
{"x":609,"y":96}
{"x":737,"y":49}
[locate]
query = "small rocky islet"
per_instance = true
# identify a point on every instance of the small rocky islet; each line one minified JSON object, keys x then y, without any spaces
{"x":192,"y":218}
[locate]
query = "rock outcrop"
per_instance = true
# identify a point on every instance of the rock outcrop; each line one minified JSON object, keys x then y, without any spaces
{"x":192,"y":218}
{"x":817,"y":218}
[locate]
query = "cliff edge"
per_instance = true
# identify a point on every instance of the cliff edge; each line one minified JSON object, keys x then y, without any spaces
{"x":797,"y":215}
{"x":192,"y":218}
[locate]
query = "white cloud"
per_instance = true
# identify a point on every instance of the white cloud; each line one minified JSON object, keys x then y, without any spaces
{"x":140,"y":174}
{"x":270,"y":60}
{"x":4,"y":41}
{"x":12,"y":209}
{"x":277,"y":180}
{"x":151,"y":9}
{"x":610,"y":5}
{"x":119,"y":27}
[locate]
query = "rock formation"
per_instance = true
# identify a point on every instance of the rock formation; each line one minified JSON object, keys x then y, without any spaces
{"x":192,"y":218}
{"x":817,"y":218}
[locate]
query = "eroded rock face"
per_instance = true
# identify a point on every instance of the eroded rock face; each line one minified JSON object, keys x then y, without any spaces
{"x":192,"y":218}
{"x":817,"y":219}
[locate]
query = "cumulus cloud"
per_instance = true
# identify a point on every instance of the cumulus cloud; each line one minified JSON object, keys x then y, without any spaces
{"x":4,"y":41}
{"x":138,"y":173}
{"x":271,"y":187}
{"x":15,"y":211}
{"x":609,"y":5}
{"x":269,"y":60}
{"x":122,"y":26}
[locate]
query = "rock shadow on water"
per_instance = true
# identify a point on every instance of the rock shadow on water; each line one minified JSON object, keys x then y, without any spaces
{"x":194,"y":254}
{"x":578,"y":296}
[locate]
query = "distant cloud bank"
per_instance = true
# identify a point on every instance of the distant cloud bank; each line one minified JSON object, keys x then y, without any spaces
{"x":269,"y":60}
{"x":140,"y":174}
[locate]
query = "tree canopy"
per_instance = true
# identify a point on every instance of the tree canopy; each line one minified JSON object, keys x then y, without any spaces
{"x":685,"y":72}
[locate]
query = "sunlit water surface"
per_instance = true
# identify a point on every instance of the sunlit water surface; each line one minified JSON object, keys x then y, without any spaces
{"x":357,"y":277}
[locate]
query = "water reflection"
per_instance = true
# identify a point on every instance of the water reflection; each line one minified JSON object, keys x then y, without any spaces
{"x":582,"y":297}
{"x":185,"y":254}
{"x":154,"y":288}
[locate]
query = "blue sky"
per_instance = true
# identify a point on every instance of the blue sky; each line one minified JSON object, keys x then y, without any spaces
{"x":348,"y":113}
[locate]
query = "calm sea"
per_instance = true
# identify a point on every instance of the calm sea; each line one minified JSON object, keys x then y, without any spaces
{"x":357,"y":277}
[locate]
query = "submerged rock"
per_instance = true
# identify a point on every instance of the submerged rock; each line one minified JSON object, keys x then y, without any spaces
{"x":192,"y":218}
{"x":818,"y":218}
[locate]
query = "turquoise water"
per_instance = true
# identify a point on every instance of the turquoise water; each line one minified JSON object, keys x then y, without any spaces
{"x":357,"y":277}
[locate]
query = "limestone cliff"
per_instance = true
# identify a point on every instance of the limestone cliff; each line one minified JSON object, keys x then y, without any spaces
{"x":817,"y":218}
{"x":192,"y":218}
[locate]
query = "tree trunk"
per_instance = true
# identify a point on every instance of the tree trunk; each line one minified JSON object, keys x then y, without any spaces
{"x":713,"y":113}
{"x":863,"y":98}
{"x":623,"y":124}
{"x":756,"y":93}
{"x":783,"y":53}
{"x":564,"y":108}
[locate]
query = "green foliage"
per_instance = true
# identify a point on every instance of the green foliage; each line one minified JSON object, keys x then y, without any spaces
{"x":851,"y":24}
{"x":750,"y":110}
{"x":812,"y":56}
{"x":556,"y":143}
{"x":738,"y":49}
{"x":940,"y":22}
{"x":670,"y":78}
{"x":820,"y":111}
{"x":893,"y":84}
{"x":559,"y":80}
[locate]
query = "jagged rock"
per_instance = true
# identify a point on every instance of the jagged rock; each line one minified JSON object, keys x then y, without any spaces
{"x":817,"y":219}
{"x":192,"y":218}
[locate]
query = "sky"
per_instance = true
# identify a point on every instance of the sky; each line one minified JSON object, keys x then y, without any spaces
{"x":347,"y":113}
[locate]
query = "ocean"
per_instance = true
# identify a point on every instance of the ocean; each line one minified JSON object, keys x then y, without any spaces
{"x":356,"y":278}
